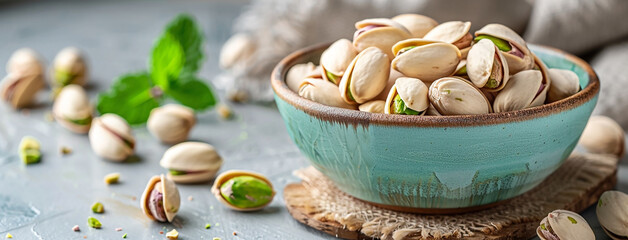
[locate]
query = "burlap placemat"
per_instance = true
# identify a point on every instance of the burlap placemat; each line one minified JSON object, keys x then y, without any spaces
{"x":574,"y":186}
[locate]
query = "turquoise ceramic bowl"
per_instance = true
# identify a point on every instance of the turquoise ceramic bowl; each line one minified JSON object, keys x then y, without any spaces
{"x":437,"y":164}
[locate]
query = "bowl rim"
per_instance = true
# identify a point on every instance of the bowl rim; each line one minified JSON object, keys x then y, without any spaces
{"x":356,"y":117}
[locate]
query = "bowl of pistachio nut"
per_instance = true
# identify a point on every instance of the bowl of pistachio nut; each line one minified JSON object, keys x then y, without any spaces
{"x":425,"y":117}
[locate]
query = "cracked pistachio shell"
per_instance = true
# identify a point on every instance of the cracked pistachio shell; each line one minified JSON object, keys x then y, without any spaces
{"x":336,"y":59}
{"x":237,"y":51}
{"x":454,"y":32}
{"x":20,"y":90}
{"x":564,"y":84}
{"x":484,"y":62}
{"x":564,"y":225}
{"x":323,"y":92}
{"x":612,"y":213}
{"x":171,"y":198}
{"x":365,"y":77}
{"x":418,"y":25}
{"x":373,"y":106}
{"x":228,"y":175}
{"x":69,"y":67}
{"x":392,"y":78}
{"x":110,"y":137}
{"x":195,"y":161}
{"x":297,"y":73}
{"x":382,"y":33}
{"x":428,"y":60}
{"x":520,"y":92}
{"x":603,"y":135}
{"x":412,"y":91}
{"x":457,"y":96}
{"x":72,"y":110}
{"x":25,"y":61}
{"x":515,"y":63}
{"x":171,"y":123}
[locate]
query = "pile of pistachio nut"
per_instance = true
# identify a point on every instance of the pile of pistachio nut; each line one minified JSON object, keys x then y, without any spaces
{"x":412,"y":65}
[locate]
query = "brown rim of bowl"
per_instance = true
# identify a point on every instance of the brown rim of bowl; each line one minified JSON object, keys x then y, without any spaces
{"x":348,"y":116}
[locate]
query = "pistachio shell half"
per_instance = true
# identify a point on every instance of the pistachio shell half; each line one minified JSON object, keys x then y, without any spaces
{"x":612,"y":213}
{"x":417,"y":24}
{"x":564,"y":84}
{"x":486,"y":66}
{"x":513,"y":46}
{"x":365,"y":77}
{"x":382,"y":33}
{"x":336,"y":59}
{"x":545,"y":84}
{"x":171,"y":123}
{"x":20,"y":90}
{"x":297,"y":73}
{"x":110,"y":137}
{"x":457,"y":96}
{"x":161,"y":200}
{"x":603,"y":135}
{"x":243,"y":190}
{"x":237,"y":51}
{"x":25,"y":61}
{"x":408,"y":97}
{"x":323,"y":92}
{"x":454,"y":32}
{"x":69,"y":67}
{"x":374,"y":106}
{"x":72,"y":110}
{"x":564,"y":225}
{"x":425,"y":59}
{"x":191,"y":162}
{"x":520,"y":92}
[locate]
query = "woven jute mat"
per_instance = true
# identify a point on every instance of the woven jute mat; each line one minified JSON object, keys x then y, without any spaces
{"x":577,"y":184}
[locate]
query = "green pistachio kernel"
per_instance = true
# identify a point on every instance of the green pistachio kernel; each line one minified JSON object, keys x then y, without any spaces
{"x":573,"y":221}
{"x":29,"y":150}
{"x":84,"y":121}
{"x":94,"y":223}
{"x":64,"y":77}
{"x":124,"y":236}
{"x":502,"y":44}
{"x":492,"y":83}
{"x":462,"y":71}
{"x":332,"y":78}
{"x":543,"y":226}
{"x":208,"y":226}
{"x":98,"y":208}
{"x":246,"y":192}
{"x":399,"y":107}
{"x":405,"y":49}
{"x":176,"y":172}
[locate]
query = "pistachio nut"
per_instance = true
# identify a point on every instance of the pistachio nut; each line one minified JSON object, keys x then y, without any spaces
{"x":323,"y":92}
{"x":603,"y":135}
{"x":564,"y":84}
{"x":336,"y":59}
{"x":20,"y":90}
{"x":512,"y":45}
{"x":69,"y":67}
{"x":425,"y":59}
{"x":373,"y":106}
{"x":521,"y":91}
{"x":237,"y":50}
{"x":457,"y":96}
{"x":382,"y":33}
{"x":171,"y":123}
{"x":486,"y":66}
{"x":29,"y":150}
{"x":25,"y":61}
{"x":160,"y":200}
{"x":243,"y":190}
{"x":612,"y":213}
{"x":418,"y":25}
{"x":365,"y":76}
{"x":407,"y":97}
{"x":564,"y":225}
{"x":110,"y":137}
{"x":392,"y":78}
{"x":191,"y":162}
{"x":72,"y":110}
{"x":297,"y":73}
{"x":454,"y":32}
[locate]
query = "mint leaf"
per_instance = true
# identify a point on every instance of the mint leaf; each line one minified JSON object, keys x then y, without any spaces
{"x":192,"y":93}
{"x":130,"y":97}
{"x":166,"y":61}
{"x":190,"y":38}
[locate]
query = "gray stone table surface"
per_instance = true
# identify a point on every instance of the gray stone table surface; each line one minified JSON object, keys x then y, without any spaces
{"x":45,"y":200}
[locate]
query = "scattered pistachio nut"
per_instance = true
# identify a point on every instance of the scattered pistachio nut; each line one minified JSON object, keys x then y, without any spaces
{"x":457,"y":96}
{"x":112,"y":178}
{"x":374,"y":106}
{"x":25,"y":61}
{"x":418,"y":25}
{"x":297,"y":73}
{"x":564,"y":225}
{"x":20,"y":90}
{"x":171,"y":123}
{"x":564,"y":84}
{"x":191,"y":162}
{"x":365,"y":77}
{"x":454,"y":32}
{"x":97,"y":207}
{"x":69,"y":67}
{"x":160,"y":200}
{"x":243,"y":190}
{"x":324,"y":92}
{"x":382,"y":33}
{"x":174,"y":234}
{"x":93,"y":222}
{"x":513,"y":47}
{"x":427,"y":60}
{"x":612,"y":213}
{"x":336,"y":59}
{"x":110,"y":137}
{"x":486,"y":66}
{"x":72,"y":110}
{"x":407,"y":97}
{"x":603,"y":135}
{"x":29,"y":150}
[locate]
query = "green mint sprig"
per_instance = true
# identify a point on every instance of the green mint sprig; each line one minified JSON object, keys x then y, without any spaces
{"x":175,"y":60}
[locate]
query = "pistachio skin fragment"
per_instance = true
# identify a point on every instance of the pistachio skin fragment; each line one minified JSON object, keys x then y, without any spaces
{"x":246,"y":192}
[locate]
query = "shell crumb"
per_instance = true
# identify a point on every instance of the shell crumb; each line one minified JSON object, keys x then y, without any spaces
{"x":76,"y":228}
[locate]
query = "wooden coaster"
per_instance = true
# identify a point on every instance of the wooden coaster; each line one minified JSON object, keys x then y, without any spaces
{"x":576,"y":185}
